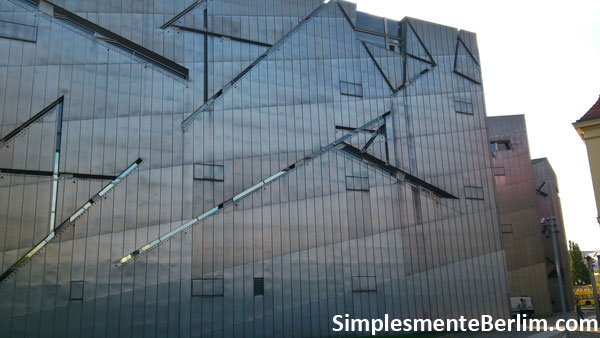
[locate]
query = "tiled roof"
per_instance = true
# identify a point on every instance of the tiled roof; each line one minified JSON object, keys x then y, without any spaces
{"x":593,"y":113}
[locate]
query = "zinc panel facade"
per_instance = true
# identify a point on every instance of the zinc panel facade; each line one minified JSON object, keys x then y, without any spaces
{"x":525,"y":257}
{"x":305,"y":233}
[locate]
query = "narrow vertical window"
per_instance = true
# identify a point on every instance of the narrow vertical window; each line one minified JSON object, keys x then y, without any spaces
{"x":76,"y":290}
{"x":259,"y":286}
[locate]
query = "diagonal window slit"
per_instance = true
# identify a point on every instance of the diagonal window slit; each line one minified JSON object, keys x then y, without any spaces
{"x":208,"y":103}
{"x":117,"y":40}
{"x":17,"y":131}
{"x":69,"y":221}
{"x":337,"y":143}
{"x":368,"y":158}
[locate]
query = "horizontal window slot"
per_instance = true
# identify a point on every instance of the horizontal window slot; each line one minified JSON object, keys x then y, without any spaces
{"x":364,"y":284}
{"x":209,"y":172}
{"x":207,"y":287}
{"x":506,"y":228}
{"x":351,"y":89}
{"x":463,"y":107}
{"x":500,"y":145}
{"x":357,"y":183}
{"x":17,"y":31}
{"x":499,"y":171}
{"x":474,"y":193}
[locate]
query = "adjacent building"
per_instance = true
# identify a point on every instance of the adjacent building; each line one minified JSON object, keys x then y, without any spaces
{"x":246,"y":168}
{"x":522,"y":236}
{"x":588,"y":127}
{"x":548,"y":204}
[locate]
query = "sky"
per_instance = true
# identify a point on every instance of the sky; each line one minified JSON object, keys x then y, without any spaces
{"x":541,"y":59}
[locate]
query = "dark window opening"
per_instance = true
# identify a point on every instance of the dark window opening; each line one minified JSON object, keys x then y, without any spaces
{"x":463,"y":107}
{"x":259,"y":286}
{"x":500,"y":145}
{"x":393,"y":45}
{"x":76,"y":290}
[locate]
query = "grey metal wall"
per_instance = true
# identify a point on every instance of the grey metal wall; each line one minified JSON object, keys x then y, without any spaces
{"x":519,"y":214}
{"x":548,"y":203}
{"x":322,"y":246}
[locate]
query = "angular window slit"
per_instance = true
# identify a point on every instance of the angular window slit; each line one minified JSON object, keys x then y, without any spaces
{"x":177,"y":231}
{"x":539,"y":191}
{"x":181,"y":14}
{"x":352,"y":129}
{"x":30,"y":121}
{"x":368,"y":158}
{"x":117,"y":40}
{"x":67,"y":222}
{"x":188,"y":120}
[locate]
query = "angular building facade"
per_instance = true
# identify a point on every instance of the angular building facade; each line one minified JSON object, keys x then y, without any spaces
{"x":519,"y":215}
{"x":239,"y":168}
{"x":548,"y":204}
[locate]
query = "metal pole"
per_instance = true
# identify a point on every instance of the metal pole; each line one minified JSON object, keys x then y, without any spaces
{"x":591,"y":267}
{"x":552,"y":230}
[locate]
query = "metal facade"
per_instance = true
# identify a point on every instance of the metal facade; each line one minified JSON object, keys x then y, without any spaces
{"x":239,"y":168}
{"x":519,"y":215}
{"x":548,"y":203}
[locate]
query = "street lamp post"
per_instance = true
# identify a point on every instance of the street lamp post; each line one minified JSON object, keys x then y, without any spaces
{"x":551,"y":230}
{"x":590,"y":262}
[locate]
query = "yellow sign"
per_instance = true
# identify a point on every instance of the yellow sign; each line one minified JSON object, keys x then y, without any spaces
{"x":584,"y":294}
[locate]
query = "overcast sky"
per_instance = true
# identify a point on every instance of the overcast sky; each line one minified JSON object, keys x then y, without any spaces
{"x":541,"y":59}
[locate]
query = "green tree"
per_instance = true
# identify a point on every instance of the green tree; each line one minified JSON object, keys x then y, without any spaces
{"x":581,"y":274}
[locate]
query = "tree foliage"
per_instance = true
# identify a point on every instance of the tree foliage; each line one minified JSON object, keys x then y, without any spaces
{"x":581,"y":274}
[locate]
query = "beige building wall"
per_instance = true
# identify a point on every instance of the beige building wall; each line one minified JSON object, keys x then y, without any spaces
{"x":588,"y":128}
